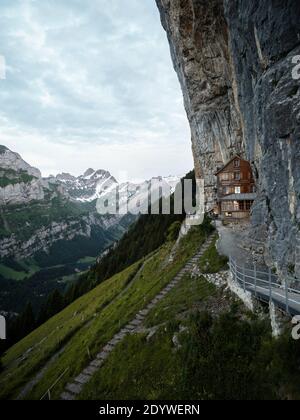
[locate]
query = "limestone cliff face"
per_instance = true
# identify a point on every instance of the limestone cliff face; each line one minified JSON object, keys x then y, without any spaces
{"x":234,"y":62}
{"x":20,"y":183}
{"x":22,"y":192}
{"x":44,"y":238}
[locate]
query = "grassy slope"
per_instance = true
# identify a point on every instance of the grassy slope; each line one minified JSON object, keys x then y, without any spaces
{"x":26,"y":269}
{"x":151,"y":368}
{"x":205,"y":346}
{"x":211,"y":261}
{"x":90,"y":322}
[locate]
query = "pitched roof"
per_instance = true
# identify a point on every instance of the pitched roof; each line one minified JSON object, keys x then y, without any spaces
{"x":228,"y":163}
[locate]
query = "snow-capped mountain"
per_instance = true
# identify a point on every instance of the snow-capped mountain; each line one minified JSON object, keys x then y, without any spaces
{"x":87,"y":187}
{"x":93,"y":185}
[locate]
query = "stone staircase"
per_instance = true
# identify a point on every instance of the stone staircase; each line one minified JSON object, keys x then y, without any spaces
{"x":72,"y":390}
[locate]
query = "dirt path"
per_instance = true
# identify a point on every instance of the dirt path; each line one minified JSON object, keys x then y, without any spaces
{"x":232,"y":243}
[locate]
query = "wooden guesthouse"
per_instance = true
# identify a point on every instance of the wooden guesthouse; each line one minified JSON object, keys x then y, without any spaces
{"x":236,"y":190}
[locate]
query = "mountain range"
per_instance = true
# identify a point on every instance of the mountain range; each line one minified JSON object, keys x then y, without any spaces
{"x":50,"y":229}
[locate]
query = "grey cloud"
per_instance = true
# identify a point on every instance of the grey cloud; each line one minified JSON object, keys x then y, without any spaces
{"x":89,"y":71}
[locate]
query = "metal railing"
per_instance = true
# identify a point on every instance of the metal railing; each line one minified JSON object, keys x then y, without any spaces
{"x":265,"y":285}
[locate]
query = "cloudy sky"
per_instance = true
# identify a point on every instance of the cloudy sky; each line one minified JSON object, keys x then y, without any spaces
{"x":90,"y":83}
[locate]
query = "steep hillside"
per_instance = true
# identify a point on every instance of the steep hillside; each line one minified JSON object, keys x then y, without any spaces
{"x":144,"y":236}
{"x":196,"y":341}
{"x":234,"y":62}
{"x":71,"y":337}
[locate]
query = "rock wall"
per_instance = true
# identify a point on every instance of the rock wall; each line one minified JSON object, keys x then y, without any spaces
{"x":234,"y":62}
{"x":18,"y":191}
{"x":11,"y":160}
{"x":22,"y":193}
{"x":43,"y":239}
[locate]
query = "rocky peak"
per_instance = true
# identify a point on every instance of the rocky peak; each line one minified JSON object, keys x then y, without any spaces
{"x":20,"y":183}
{"x":12,"y":161}
{"x":65,"y":177}
{"x":88,"y":172}
{"x":89,"y":186}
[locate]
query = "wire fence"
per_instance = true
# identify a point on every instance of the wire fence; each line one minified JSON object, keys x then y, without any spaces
{"x":47,"y":395}
{"x":266,"y":286}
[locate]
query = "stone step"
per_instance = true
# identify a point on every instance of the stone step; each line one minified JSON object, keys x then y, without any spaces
{"x":90,"y":370}
{"x":136,"y":322}
{"x":108,"y":348}
{"x":115,"y":341}
{"x":144,"y":312}
{"x":74,"y":388}
{"x":66,"y":396}
{"x":156,"y":300}
{"x":130,"y":327}
{"x":83,"y":379}
{"x":120,"y":336}
{"x":97,"y":362}
{"x":103,"y":355}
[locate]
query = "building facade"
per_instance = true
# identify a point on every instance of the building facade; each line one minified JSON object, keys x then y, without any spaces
{"x":236,"y":190}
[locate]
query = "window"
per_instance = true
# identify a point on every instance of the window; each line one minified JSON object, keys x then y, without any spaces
{"x":237,"y":163}
{"x":228,"y":190}
{"x":226,"y":176}
{"x":237,"y":190}
{"x":248,"y":205}
{"x":236,"y":206}
{"x":237,"y":176}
